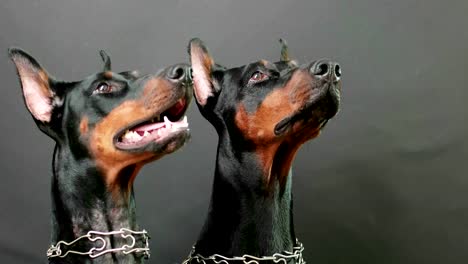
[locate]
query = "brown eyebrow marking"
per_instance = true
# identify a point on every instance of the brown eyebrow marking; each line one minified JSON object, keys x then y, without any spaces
{"x":84,"y":126}
{"x":263,"y":62}
{"x":108,"y":74}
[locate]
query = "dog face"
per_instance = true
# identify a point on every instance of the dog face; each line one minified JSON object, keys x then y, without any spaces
{"x":116,"y":119}
{"x":266,"y":108}
{"x":266,"y":101}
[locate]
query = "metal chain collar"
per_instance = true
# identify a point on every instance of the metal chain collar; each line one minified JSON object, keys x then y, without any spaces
{"x":94,"y":252}
{"x":285,"y":257}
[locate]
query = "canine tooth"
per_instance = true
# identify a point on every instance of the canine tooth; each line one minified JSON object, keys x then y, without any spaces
{"x":146,"y":134}
{"x":127,"y":135}
{"x":184,"y":120}
{"x":167,"y":122}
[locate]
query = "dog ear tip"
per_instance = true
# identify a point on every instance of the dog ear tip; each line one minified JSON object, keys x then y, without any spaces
{"x":15,"y":51}
{"x":197,"y":42}
{"x":104,"y":55}
{"x":19,"y":53}
{"x":194,"y":42}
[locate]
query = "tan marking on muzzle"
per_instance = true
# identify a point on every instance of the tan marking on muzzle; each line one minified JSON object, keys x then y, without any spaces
{"x":277,"y":153}
{"x":108,"y":158}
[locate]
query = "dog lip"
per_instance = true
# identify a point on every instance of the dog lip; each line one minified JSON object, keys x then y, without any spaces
{"x":305,"y":112}
{"x":181,"y":133}
{"x":283,"y":125}
{"x":121,"y":132}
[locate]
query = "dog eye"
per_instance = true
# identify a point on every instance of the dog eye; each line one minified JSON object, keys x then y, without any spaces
{"x":103,"y":87}
{"x":258,"y":77}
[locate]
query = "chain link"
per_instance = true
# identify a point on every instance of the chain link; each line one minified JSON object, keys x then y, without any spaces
{"x":285,"y":257}
{"x":94,"y":252}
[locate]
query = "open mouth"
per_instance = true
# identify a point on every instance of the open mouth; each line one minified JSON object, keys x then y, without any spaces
{"x":156,"y":129}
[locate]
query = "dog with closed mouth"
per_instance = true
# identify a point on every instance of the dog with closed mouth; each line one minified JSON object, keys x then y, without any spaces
{"x":263,"y":113}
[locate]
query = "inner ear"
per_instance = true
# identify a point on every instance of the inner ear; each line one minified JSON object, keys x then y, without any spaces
{"x":36,"y":85}
{"x":203,"y":65}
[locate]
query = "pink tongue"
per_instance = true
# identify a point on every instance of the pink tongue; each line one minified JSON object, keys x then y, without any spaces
{"x":149,"y":127}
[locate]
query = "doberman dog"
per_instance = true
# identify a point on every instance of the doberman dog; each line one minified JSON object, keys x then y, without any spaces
{"x":106,"y":127}
{"x":263,"y":112}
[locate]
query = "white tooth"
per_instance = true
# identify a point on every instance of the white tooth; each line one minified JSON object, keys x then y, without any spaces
{"x":127,"y":135}
{"x":167,"y":122}
{"x":135,"y":136}
{"x":184,"y":121}
{"x":146,"y":134}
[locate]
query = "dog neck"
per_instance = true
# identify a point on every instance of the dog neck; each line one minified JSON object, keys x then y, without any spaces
{"x":81,"y":203}
{"x":247,"y":215}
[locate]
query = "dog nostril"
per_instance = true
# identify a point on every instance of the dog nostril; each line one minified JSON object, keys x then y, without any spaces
{"x":191,"y":73}
{"x":321,"y":70}
{"x":337,"y":70}
{"x":176,"y":73}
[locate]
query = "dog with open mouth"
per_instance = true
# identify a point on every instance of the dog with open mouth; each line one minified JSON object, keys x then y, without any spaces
{"x":106,"y":127}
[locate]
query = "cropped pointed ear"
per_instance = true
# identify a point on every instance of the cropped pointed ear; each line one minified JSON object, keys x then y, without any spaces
{"x":106,"y":59}
{"x":38,"y":88}
{"x":204,"y":85}
{"x":285,"y":53}
{"x":284,"y":50}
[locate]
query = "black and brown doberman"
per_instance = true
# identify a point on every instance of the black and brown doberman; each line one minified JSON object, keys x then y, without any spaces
{"x":106,"y":127}
{"x":263,"y":112}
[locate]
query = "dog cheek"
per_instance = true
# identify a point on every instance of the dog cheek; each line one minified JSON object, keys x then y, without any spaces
{"x":84,"y":126}
{"x":253,"y":127}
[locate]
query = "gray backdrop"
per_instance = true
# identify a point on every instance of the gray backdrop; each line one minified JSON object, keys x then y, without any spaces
{"x":387,"y":181}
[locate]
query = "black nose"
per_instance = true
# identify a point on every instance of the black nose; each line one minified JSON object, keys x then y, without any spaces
{"x":326,"y":70}
{"x":179,"y":72}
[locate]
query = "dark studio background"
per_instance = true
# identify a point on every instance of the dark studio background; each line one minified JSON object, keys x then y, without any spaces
{"x":386,"y":182}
